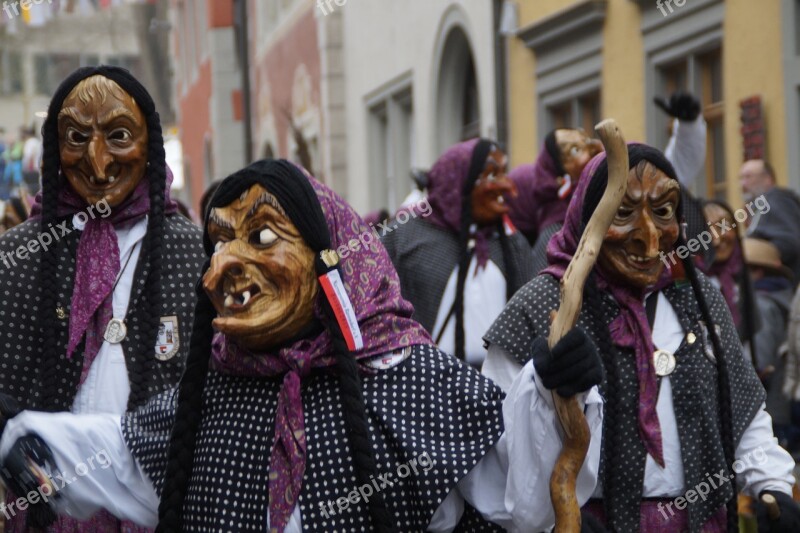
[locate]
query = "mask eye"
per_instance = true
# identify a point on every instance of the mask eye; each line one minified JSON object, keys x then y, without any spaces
{"x":76,"y":137}
{"x":665,"y":211}
{"x":120,"y":135}
{"x":574,"y":151}
{"x":264,"y":237}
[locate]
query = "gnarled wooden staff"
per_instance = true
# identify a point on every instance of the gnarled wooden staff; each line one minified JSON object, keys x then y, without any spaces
{"x":573,"y":422}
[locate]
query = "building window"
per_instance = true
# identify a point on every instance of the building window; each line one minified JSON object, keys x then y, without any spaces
{"x":391,"y":130}
{"x":10,"y":73}
{"x":579,"y":112}
{"x":51,"y":69}
{"x":701,"y":75}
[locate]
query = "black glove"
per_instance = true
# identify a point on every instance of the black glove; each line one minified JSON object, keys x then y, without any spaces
{"x":788,"y":522}
{"x":19,"y":475}
{"x":590,"y":524}
{"x":682,"y":106}
{"x":573,"y":366}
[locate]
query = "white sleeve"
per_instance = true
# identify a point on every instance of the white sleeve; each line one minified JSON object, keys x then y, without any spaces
{"x":686,"y":150}
{"x":761,"y":464}
{"x":95,"y":468}
{"x":500,"y":367}
{"x":518,"y":498}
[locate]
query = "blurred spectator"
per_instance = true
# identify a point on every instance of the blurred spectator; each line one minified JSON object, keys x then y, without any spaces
{"x":3,"y":188}
{"x":727,"y":269}
{"x":773,"y":286}
{"x":12,"y":176}
{"x":373,"y":218}
{"x":780,"y":224}
{"x":31,"y":159}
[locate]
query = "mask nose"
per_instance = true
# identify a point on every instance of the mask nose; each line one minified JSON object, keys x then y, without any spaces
{"x":99,"y":158}
{"x":649,"y":235}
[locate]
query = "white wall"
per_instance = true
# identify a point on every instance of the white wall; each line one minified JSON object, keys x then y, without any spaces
{"x":387,"y":40}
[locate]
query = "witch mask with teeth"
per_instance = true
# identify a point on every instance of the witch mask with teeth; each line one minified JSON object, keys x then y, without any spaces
{"x":261,"y":280}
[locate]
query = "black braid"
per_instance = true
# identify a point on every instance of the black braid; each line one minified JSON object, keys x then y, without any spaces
{"x":355,"y":418}
{"x":723,"y":384}
{"x":187,"y":417}
{"x":51,"y":184}
{"x":479,"y":155}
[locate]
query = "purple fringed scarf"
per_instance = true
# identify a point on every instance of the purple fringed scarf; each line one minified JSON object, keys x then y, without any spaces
{"x":97,"y":263}
{"x":445,"y":190}
{"x":630,"y":329}
{"x":384,"y":318}
{"x":538,"y":203}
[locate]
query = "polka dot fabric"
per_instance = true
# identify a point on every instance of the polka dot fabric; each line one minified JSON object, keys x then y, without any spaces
{"x":694,"y":384}
{"x":20,"y":368}
{"x":430,"y":404}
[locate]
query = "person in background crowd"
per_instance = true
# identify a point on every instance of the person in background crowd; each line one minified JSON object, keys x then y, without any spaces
{"x":460,"y":265}
{"x":31,"y":160}
{"x":4,"y":188}
{"x":773,"y":290}
{"x":13,"y":170}
{"x":727,"y":271}
{"x":779,"y":225}
{"x":89,"y":303}
{"x":679,"y":401}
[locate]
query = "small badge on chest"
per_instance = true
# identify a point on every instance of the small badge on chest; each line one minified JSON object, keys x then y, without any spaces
{"x":168,"y":340}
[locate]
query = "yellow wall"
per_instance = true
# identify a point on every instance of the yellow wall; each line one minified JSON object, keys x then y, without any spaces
{"x":522,"y":83}
{"x":752,"y":65}
{"x":623,"y":69}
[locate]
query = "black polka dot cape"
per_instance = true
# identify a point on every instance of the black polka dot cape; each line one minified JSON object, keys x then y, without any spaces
{"x":21,"y":372}
{"x":429,"y":406}
{"x":694,"y":389}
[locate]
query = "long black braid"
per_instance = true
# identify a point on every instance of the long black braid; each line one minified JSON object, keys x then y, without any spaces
{"x":296,"y":195}
{"x":639,"y":153}
{"x":52,"y":181}
{"x":479,"y":155}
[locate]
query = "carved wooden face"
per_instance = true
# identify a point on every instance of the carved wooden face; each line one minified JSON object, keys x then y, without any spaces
{"x":576,"y":149}
{"x":491,"y":189}
{"x":645,"y":225}
{"x":102,"y":141}
{"x":261,"y":280}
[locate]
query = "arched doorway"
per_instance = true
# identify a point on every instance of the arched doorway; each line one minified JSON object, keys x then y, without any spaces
{"x":458,"y":115}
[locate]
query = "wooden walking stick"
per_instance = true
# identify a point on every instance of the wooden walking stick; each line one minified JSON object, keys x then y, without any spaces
{"x":570,"y":414}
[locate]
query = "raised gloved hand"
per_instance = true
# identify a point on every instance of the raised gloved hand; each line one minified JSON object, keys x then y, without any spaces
{"x":681,"y":105}
{"x":24,"y":471}
{"x":572,"y":366}
{"x":787,"y":522}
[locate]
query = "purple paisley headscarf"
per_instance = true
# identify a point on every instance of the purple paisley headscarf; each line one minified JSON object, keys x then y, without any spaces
{"x":538,"y":203}
{"x":98,"y":264}
{"x":445,"y":194}
{"x":630,"y":328}
{"x":383,"y":316}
